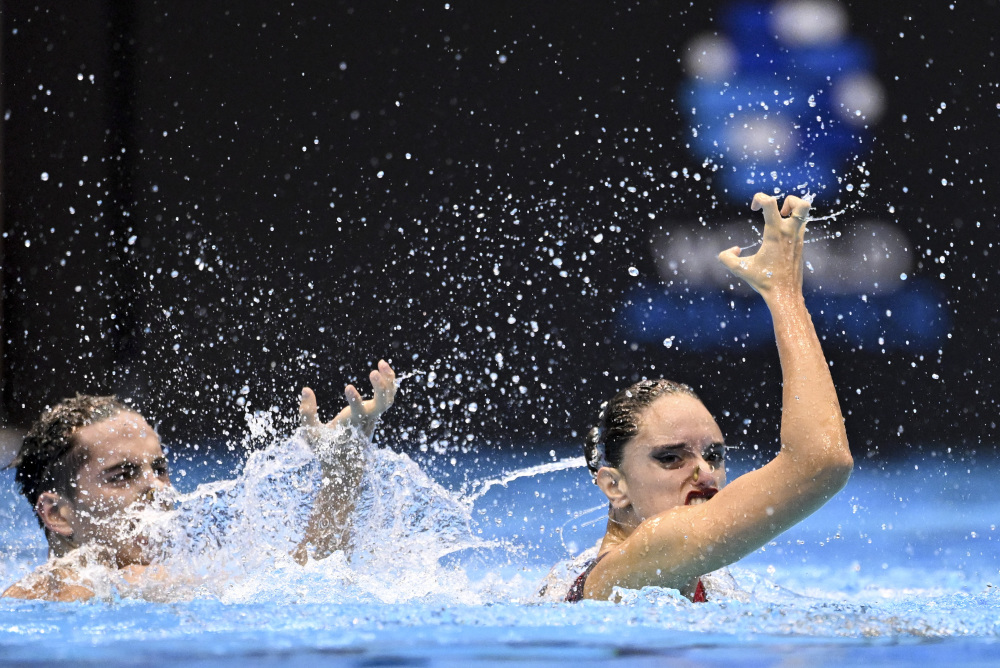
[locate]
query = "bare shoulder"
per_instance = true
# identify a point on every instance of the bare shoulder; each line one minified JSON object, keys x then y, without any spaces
{"x":667,"y":550}
{"x":51,"y":584}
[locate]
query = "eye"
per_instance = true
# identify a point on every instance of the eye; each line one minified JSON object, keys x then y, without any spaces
{"x":667,"y":458}
{"x":125,"y":473}
{"x":715,"y":456}
{"x":160,"y":468}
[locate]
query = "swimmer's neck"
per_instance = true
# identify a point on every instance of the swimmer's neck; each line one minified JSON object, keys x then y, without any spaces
{"x":615,"y":534}
{"x":67,"y":551}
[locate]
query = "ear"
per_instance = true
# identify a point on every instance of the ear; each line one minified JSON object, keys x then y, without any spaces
{"x":55,"y":511}
{"x":612,"y":483}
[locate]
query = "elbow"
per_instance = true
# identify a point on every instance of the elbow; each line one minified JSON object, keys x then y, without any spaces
{"x":837,"y":468}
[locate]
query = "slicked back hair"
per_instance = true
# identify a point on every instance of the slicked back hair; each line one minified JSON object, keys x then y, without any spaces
{"x":48,"y":460}
{"x":619,"y":420}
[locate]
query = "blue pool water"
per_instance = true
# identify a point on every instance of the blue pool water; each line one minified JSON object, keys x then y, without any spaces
{"x":900,"y":568}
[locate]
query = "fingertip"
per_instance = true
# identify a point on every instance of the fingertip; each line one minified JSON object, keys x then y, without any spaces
{"x":389,"y":372}
{"x":729,"y":252}
{"x":307,"y":400}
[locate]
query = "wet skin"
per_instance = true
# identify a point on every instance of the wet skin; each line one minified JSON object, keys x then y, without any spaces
{"x":677,"y":458}
{"x":123,"y":467}
{"x":652,"y":537}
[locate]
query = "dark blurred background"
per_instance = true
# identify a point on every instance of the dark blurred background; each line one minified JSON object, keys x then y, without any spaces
{"x":208,"y":205}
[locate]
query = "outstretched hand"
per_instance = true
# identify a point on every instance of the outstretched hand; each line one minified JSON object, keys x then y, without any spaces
{"x":359,"y":413}
{"x":775,"y":270}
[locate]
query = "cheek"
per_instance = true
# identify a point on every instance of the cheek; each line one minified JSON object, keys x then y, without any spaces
{"x":109,"y":501}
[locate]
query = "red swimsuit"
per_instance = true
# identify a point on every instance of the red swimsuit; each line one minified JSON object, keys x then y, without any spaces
{"x":575,"y":593}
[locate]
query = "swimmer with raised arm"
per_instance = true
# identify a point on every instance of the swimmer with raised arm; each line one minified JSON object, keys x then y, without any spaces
{"x":659,"y":456}
{"x":90,"y":464}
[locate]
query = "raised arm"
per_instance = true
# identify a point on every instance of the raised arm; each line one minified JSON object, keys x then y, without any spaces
{"x":340,"y":448}
{"x":814,"y":463}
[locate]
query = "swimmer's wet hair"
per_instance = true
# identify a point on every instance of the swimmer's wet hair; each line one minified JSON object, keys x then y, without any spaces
{"x":619,"y":421}
{"x":47,"y":461}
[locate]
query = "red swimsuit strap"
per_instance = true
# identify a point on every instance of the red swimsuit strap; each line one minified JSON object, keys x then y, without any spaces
{"x":575,"y":593}
{"x":699,"y":593}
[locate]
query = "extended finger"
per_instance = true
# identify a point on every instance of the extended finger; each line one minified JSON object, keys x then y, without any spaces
{"x":384,"y":391}
{"x":770,"y":207}
{"x":308,"y":408}
{"x":389,"y":377}
{"x":354,"y":401}
{"x":387,"y":371}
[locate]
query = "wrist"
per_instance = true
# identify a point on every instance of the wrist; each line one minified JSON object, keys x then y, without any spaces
{"x":781,"y":300}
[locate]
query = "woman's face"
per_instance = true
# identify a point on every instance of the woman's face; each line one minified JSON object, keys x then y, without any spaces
{"x":677,"y":457}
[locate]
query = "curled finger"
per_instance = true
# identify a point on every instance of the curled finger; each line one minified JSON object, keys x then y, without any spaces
{"x":732,"y":260}
{"x":795,"y":207}
{"x":769,"y":206}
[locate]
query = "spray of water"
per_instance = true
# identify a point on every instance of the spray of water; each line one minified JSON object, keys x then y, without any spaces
{"x":549,"y":467}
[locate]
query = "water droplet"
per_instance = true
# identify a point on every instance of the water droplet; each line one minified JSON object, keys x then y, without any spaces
{"x":632,"y":271}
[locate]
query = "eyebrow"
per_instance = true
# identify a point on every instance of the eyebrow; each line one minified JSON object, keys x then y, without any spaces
{"x":666,"y":447}
{"x":663,"y":447}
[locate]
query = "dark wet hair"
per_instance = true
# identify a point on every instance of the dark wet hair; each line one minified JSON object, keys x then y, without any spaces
{"x":48,"y":460}
{"x":619,"y":420}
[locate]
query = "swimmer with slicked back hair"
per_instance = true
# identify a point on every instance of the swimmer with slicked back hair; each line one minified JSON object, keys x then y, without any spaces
{"x":90,"y":463}
{"x":658,"y":455}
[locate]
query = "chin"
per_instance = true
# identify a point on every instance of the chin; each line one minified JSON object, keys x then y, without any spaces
{"x":133,"y":555}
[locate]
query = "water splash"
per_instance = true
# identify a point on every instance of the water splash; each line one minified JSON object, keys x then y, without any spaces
{"x":829,"y":216}
{"x":548,"y":467}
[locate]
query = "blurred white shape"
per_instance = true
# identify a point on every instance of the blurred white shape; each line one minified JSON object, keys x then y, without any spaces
{"x":710,"y":57}
{"x":859,"y":92}
{"x":810,"y":22}
{"x":871,"y":257}
{"x":750,"y":138}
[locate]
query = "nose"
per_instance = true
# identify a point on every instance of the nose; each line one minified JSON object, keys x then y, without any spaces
{"x":153,"y":482}
{"x":701,"y":469}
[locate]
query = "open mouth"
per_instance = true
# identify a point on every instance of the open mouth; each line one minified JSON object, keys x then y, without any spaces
{"x":699,"y":496}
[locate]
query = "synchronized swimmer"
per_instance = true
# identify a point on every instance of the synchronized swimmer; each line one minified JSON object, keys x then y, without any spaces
{"x":89,"y":464}
{"x":658,"y":455}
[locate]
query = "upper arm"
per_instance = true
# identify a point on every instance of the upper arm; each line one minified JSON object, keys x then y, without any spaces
{"x":673,"y":547}
{"x":48,"y":589}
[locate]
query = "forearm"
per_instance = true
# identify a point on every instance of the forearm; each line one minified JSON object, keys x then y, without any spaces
{"x":342,"y":470}
{"x":329,"y":527}
{"x":812,"y":426}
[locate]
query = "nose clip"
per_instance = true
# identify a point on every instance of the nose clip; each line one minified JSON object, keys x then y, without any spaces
{"x":697,"y":473}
